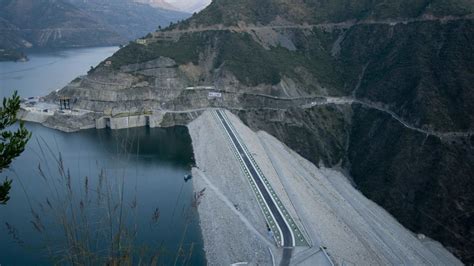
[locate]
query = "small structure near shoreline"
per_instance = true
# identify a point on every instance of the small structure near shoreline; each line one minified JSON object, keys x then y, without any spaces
{"x":65,"y":103}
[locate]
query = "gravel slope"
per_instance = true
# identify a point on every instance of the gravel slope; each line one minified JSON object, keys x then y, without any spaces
{"x":333,"y":213}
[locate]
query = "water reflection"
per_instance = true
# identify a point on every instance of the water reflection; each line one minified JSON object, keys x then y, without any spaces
{"x":95,"y":167}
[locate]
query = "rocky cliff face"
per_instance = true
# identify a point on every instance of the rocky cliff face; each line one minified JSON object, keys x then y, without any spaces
{"x":381,"y":90}
{"x":424,"y":181}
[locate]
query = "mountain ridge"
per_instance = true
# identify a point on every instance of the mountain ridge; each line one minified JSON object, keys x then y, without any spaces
{"x":52,"y":24}
{"x":129,"y":19}
{"x":295,"y":82}
{"x":183,"y":6}
{"x":229,"y":12}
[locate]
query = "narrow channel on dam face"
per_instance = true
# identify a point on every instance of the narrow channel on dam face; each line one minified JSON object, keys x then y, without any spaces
{"x":84,"y":174}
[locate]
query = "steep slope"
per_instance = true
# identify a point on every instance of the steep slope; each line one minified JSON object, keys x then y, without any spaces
{"x":76,"y":23}
{"x":230,"y":12}
{"x":129,"y":19}
{"x":382,"y":89}
{"x":158,"y":3}
{"x":189,"y":6}
{"x":51,"y":23}
{"x":10,"y":38}
{"x":10,"y":41}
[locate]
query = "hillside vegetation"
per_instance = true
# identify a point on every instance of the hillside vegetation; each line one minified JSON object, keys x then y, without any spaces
{"x":230,"y":12}
{"x":26,"y":24}
{"x":51,"y":24}
{"x":129,"y":19}
{"x":418,"y":72}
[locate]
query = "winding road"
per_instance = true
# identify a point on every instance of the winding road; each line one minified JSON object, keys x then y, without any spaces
{"x":327,"y":26}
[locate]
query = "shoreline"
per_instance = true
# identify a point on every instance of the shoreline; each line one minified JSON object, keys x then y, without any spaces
{"x":22,"y":56}
{"x":232,"y":227}
{"x":76,"y":120}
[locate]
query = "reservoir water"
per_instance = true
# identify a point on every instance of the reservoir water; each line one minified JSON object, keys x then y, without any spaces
{"x":95,"y":193}
{"x":49,"y":71}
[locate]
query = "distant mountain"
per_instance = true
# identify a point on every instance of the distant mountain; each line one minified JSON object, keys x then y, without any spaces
{"x":128,"y":18}
{"x":50,"y":23}
{"x":190,"y":6}
{"x":28,"y":24}
{"x":10,"y":36}
{"x":158,"y":3}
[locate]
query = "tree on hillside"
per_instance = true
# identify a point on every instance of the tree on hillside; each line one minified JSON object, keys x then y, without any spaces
{"x":12,"y":143}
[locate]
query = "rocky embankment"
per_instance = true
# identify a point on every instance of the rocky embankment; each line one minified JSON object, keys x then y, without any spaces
{"x":408,"y":173}
{"x":388,"y":103}
{"x":343,"y":134}
{"x":155,"y":93}
{"x":334,"y":215}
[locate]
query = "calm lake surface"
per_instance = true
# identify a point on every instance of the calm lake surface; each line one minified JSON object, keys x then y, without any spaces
{"x":102,"y":181}
{"x":49,"y":71}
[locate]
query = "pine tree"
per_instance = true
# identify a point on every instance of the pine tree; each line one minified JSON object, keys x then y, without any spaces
{"x":12,"y":143}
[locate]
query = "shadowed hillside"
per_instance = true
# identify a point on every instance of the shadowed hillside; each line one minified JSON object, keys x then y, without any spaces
{"x":381,"y":89}
{"x":26,"y":24}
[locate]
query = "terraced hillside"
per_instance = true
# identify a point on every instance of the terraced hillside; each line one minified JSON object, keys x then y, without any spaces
{"x":380,"y":89}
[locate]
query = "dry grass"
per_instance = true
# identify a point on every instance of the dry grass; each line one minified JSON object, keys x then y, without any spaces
{"x":92,"y":223}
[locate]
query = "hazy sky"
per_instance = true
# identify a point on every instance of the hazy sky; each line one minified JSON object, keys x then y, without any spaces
{"x":189,"y":5}
{"x":184,"y":5}
{"x":186,"y":1}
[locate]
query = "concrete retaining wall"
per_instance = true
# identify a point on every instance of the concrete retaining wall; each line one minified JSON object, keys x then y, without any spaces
{"x":35,"y":117}
{"x":129,"y":121}
{"x":70,"y":123}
